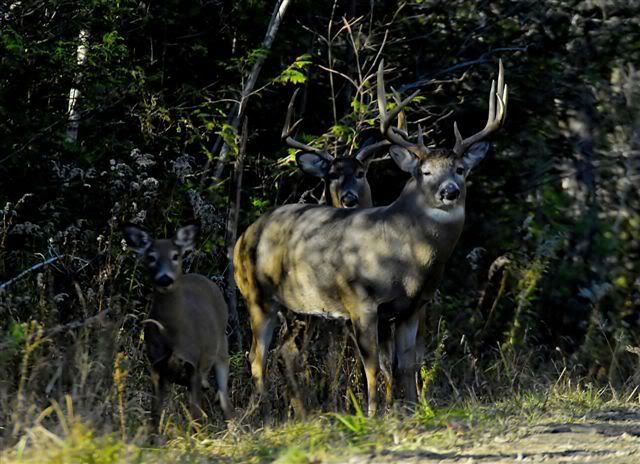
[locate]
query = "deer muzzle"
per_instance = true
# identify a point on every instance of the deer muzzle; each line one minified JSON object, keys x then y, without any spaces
{"x":349,"y":200}
{"x":164,"y":280}
{"x":449,"y":193}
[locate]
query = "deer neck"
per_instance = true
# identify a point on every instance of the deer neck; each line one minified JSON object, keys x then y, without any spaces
{"x":168,"y":304}
{"x":434,"y":224}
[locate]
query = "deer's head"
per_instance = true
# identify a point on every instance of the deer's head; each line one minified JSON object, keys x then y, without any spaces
{"x":440,"y":173}
{"x":163,"y":256}
{"x":345,"y":177}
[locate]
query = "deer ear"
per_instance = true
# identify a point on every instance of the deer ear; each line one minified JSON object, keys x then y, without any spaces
{"x":475,"y":154}
{"x":313,"y":164}
{"x":186,"y":237}
{"x":137,"y":239}
{"x":405,"y":159}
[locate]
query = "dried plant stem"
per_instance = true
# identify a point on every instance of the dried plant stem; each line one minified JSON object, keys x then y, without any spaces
{"x":33,"y":340}
{"x":119,"y":377}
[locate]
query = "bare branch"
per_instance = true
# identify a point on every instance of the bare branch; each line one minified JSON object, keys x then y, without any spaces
{"x":35,"y":267}
{"x":238,"y":110}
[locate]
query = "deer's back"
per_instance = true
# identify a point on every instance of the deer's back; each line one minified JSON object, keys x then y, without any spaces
{"x":326,"y":261}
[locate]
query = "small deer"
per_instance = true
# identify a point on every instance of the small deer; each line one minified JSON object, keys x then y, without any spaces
{"x":185,"y":332}
{"x":373,"y":265}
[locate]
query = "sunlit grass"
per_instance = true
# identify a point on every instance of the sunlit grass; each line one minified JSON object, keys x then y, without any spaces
{"x":332,"y":437}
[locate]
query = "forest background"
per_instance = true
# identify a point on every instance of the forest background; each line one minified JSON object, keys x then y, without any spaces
{"x":116,"y":111}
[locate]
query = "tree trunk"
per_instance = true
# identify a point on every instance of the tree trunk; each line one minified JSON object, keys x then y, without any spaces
{"x":73,"y":121}
{"x":232,"y":232}
{"x":238,"y":110}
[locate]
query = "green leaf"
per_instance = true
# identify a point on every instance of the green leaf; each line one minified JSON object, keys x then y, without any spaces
{"x":295,"y":72}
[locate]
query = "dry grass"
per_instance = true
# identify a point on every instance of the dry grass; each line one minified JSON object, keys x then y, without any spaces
{"x":60,"y":435}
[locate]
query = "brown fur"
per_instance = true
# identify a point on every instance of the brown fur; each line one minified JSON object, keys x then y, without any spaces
{"x":363,"y":265}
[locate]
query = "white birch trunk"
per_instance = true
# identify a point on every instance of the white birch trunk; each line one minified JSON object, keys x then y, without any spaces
{"x":73,"y":120}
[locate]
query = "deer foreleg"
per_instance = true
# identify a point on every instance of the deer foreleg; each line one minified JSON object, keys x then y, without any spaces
{"x":406,"y":354}
{"x":366,"y":327}
{"x":159,"y":388}
{"x":421,"y":340}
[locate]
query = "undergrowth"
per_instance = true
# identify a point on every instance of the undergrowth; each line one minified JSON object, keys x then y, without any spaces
{"x":68,"y":438}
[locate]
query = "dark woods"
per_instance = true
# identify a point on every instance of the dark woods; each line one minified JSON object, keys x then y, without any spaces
{"x":113,"y":112}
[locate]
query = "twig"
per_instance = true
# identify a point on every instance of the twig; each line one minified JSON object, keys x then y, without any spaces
{"x":77,"y":324}
{"x":239,"y":109}
{"x":347,"y":78}
{"x":482,"y":59}
{"x":330,"y":63}
{"x":27,"y":271}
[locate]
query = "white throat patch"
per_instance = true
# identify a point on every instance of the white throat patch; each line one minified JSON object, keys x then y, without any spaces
{"x":444,"y":216}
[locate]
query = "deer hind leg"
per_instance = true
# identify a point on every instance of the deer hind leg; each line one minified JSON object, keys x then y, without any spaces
{"x":366,"y":331}
{"x":406,"y":354}
{"x":421,"y":341}
{"x":195,"y":394}
{"x":262,"y":325}
{"x":222,"y":379}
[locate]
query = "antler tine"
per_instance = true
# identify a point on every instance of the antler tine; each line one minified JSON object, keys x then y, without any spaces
{"x":401,"y":125}
{"x":288,"y":129}
{"x":386,"y":118}
{"x":420,"y":137}
{"x":498,"y":97}
{"x":367,"y":151}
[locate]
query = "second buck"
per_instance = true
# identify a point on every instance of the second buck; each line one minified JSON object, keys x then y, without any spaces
{"x":344,"y":177}
{"x":185,"y":332}
{"x":372,"y":266}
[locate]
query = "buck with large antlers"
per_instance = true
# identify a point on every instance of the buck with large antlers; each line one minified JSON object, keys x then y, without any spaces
{"x":344,"y":177}
{"x":372,"y":266}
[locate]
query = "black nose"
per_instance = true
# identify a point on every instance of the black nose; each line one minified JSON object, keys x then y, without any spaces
{"x":349,"y":200}
{"x":450,"y":192}
{"x":164,"y":281}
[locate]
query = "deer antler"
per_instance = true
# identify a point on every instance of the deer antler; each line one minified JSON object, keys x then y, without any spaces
{"x":288,"y":129}
{"x":495,"y":119}
{"x":394,"y":134}
{"x":367,"y":151}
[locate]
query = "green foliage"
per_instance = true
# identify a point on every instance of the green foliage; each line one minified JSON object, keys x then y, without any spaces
{"x":546,"y":272}
{"x":356,"y":425}
{"x":295,"y":72}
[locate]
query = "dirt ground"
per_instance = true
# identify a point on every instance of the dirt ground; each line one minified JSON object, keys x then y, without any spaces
{"x":611,"y":436}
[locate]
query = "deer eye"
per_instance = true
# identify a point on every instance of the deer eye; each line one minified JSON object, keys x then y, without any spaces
{"x":174,"y":257}
{"x":151,"y":259}
{"x":360,"y":174}
{"x":460,"y":171}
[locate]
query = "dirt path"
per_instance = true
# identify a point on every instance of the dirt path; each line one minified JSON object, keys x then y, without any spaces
{"x":605,"y":437}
